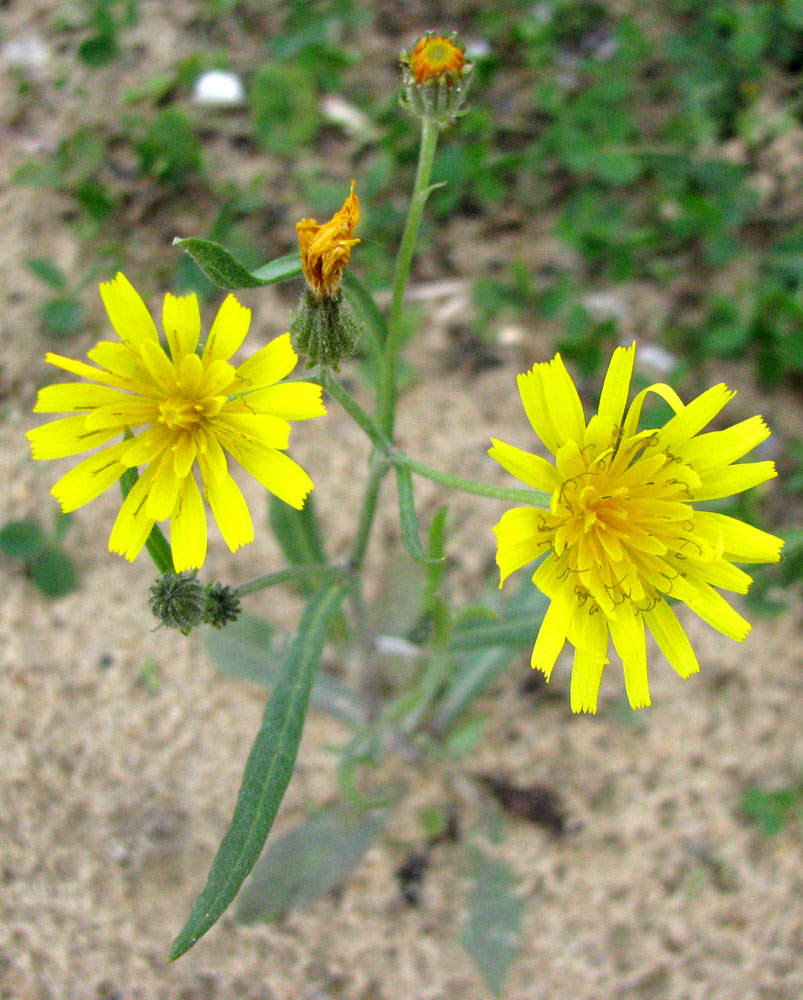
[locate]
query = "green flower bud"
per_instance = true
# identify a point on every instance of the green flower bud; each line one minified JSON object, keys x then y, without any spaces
{"x":436,"y":79}
{"x":178,"y":600}
{"x":324,"y":329}
{"x":222,"y":605}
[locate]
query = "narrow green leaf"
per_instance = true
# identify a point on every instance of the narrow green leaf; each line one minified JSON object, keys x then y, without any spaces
{"x":157,"y":545}
{"x":225,"y":271}
{"x":492,"y":928}
{"x":22,"y":539}
{"x":268,"y":769}
{"x":249,"y":649}
{"x":517,"y":627}
{"x":475,"y":674}
{"x":299,"y":535}
{"x":48,"y":272}
{"x":410,"y":530}
{"x":300,"y":867}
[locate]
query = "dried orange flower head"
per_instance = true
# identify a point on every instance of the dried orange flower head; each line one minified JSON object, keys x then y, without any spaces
{"x":433,"y":56}
{"x":326,"y":249}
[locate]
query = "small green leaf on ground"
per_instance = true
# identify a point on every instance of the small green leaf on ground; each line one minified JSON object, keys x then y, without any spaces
{"x":492,"y":926}
{"x":304,"y":864}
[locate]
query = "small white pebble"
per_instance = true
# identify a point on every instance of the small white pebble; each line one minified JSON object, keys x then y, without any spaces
{"x":653,"y":356}
{"x":218,"y":86}
{"x":26,"y":52}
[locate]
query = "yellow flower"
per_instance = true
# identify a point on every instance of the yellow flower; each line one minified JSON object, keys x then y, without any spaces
{"x":191,"y":408}
{"x":433,"y":56}
{"x":622,"y":534}
{"x":326,"y":249}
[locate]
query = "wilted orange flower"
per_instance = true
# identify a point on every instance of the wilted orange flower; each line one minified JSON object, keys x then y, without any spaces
{"x":433,"y":56}
{"x":326,"y":249}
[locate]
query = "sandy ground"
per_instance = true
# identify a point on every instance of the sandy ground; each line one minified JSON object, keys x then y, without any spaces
{"x":116,"y":792}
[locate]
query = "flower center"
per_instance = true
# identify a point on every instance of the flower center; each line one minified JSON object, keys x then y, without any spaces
{"x":620,"y":530}
{"x":179,"y":413}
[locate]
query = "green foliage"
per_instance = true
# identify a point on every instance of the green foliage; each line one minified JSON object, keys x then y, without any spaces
{"x":284,"y":105}
{"x":106,"y":18}
{"x":304,"y":864}
{"x":772,"y":809}
{"x":492,"y":927}
{"x":167,"y":149}
{"x":50,"y":569}
{"x":268,"y":770}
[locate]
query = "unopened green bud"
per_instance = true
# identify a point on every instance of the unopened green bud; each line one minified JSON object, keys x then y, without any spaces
{"x":436,"y":79}
{"x":222,"y":605}
{"x":324,"y":329}
{"x":178,"y":600}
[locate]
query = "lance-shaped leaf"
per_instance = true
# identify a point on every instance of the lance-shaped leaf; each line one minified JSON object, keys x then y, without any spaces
{"x":268,"y":769}
{"x":299,"y":534}
{"x":492,"y":926}
{"x":225,"y":271}
{"x":298,"y":868}
{"x":410,"y":529}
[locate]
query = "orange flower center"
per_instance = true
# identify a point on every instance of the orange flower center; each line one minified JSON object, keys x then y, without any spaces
{"x":432,"y":57}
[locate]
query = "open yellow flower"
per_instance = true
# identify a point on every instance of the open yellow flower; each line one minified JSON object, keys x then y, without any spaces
{"x":192,"y":407}
{"x":622,"y":535}
{"x":326,"y":249}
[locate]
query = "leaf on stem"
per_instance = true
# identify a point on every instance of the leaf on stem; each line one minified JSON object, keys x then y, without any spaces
{"x":268,"y":769}
{"x":492,"y":927}
{"x":300,"y":867}
{"x":225,"y":271}
{"x":299,"y":535}
{"x":410,"y":529}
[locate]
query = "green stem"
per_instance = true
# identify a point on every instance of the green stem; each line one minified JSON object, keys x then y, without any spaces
{"x":378,"y":468}
{"x":386,"y":409}
{"x":321,"y":571}
{"x":533,"y":498}
{"x":354,"y":410}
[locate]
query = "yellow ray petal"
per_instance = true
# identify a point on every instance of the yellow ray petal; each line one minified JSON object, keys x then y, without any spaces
{"x":228,"y":331}
{"x":73,"y":397}
{"x":291,"y":401}
{"x":261,"y":427}
{"x":530,"y":469}
{"x":89,"y":479}
{"x":128,"y":313}
{"x":520,"y":538}
{"x":672,"y":640}
{"x":145,"y":447}
{"x":586,"y":678}
{"x":692,"y":418}
{"x":551,"y":637}
{"x":616,"y":387}
{"x":229,"y":508}
{"x":126,"y":411}
{"x":133,"y":525}
{"x":277,"y":472}
{"x":533,"y":398}
{"x":271,"y":363}
{"x":161,"y":369}
{"x":62,"y":438}
{"x":718,"y":448}
{"x":87,"y":371}
{"x":627,"y":632}
{"x":733,"y":479}
{"x":188,"y":535}
{"x":742,"y":542}
{"x":712,"y":608}
{"x":181,"y":320}
{"x":164,"y":488}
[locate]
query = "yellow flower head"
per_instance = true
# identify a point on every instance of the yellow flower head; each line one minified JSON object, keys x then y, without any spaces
{"x":622,"y":534}
{"x":433,"y":56}
{"x":190,"y":408}
{"x":326,"y":249}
